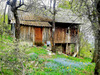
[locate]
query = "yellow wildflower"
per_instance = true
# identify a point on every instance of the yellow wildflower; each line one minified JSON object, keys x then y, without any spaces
{"x":67,"y":67}
{"x":75,"y":69}
{"x":70,"y":70}
{"x":50,"y":69}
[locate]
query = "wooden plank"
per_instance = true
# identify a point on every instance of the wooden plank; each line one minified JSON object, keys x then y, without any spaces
{"x":31,"y":33}
{"x":60,"y":35}
{"x":27,"y":33}
{"x":43,"y":34}
{"x":21,"y":32}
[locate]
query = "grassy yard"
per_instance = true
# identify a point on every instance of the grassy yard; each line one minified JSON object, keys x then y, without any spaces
{"x":44,"y":64}
{"x":61,"y":64}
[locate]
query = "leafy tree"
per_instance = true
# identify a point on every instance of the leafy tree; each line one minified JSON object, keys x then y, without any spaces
{"x":86,"y":50}
{"x":14,"y":9}
{"x":90,"y":9}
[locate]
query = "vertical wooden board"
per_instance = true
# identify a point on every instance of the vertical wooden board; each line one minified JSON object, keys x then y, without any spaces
{"x":55,"y":36}
{"x":24,"y":32}
{"x":21,"y":32}
{"x":64,"y":35}
{"x":43,"y":34}
{"x":46,"y":34}
{"x":61,"y":33}
{"x":45,"y":38}
{"x":27,"y":32}
{"x":49,"y":34}
{"x":58,"y":35}
{"x":70,"y":34}
{"x":31,"y":34}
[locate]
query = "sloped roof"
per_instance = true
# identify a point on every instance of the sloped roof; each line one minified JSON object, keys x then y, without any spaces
{"x":29,"y":19}
{"x":67,"y":16}
{"x":37,"y":24}
{"x":28,"y":16}
{"x":62,"y":15}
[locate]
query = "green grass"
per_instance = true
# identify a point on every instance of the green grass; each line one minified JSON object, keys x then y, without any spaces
{"x":72,"y":58}
{"x":41,"y":56}
{"x":60,"y":69}
{"x":38,"y":51}
{"x":7,"y":72}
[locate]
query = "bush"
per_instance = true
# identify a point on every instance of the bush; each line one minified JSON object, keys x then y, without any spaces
{"x":40,"y":60}
{"x":44,"y":47}
{"x":12,"y":57}
{"x":39,"y":44}
{"x":33,"y":56}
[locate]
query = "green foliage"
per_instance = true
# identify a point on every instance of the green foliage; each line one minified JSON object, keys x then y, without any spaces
{"x":72,"y":48}
{"x":44,"y":47}
{"x":12,"y":57}
{"x":12,"y":54}
{"x":86,"y":49}
{"x":41,"y":60}
{"x":33,"y":56}
{"x":4,"y":27}
{"x":2,"y":18}
{"x":65,"y":5}
{"x":36,"y":50}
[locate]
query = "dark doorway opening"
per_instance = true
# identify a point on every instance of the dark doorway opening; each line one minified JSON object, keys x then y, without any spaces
{"x":64,"y":48}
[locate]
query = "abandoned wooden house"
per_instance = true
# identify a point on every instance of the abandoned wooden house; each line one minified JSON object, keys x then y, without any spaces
{"x":39,"y":29}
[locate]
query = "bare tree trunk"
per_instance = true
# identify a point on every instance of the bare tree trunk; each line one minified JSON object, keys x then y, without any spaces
{"x":53,"y":27}
{"x":17,"y":25}
{"x":97,"y":54}
{"x":95,"y":51}
{"x":97,"y":47}
{"x":14,"y":9}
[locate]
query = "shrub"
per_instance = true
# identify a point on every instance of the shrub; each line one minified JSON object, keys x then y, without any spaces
{"x":44,"y":46}
{"x":40,"y":60}
{"x":33,"y":56}
{"x":39,"y":44}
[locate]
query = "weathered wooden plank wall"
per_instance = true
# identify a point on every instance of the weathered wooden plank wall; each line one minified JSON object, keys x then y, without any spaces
{"x":74,"y":35}
{"x":28,"y":33}
{"x":60,"y":35}
{"x":68,"y":37}
{"x":46,"y":34}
